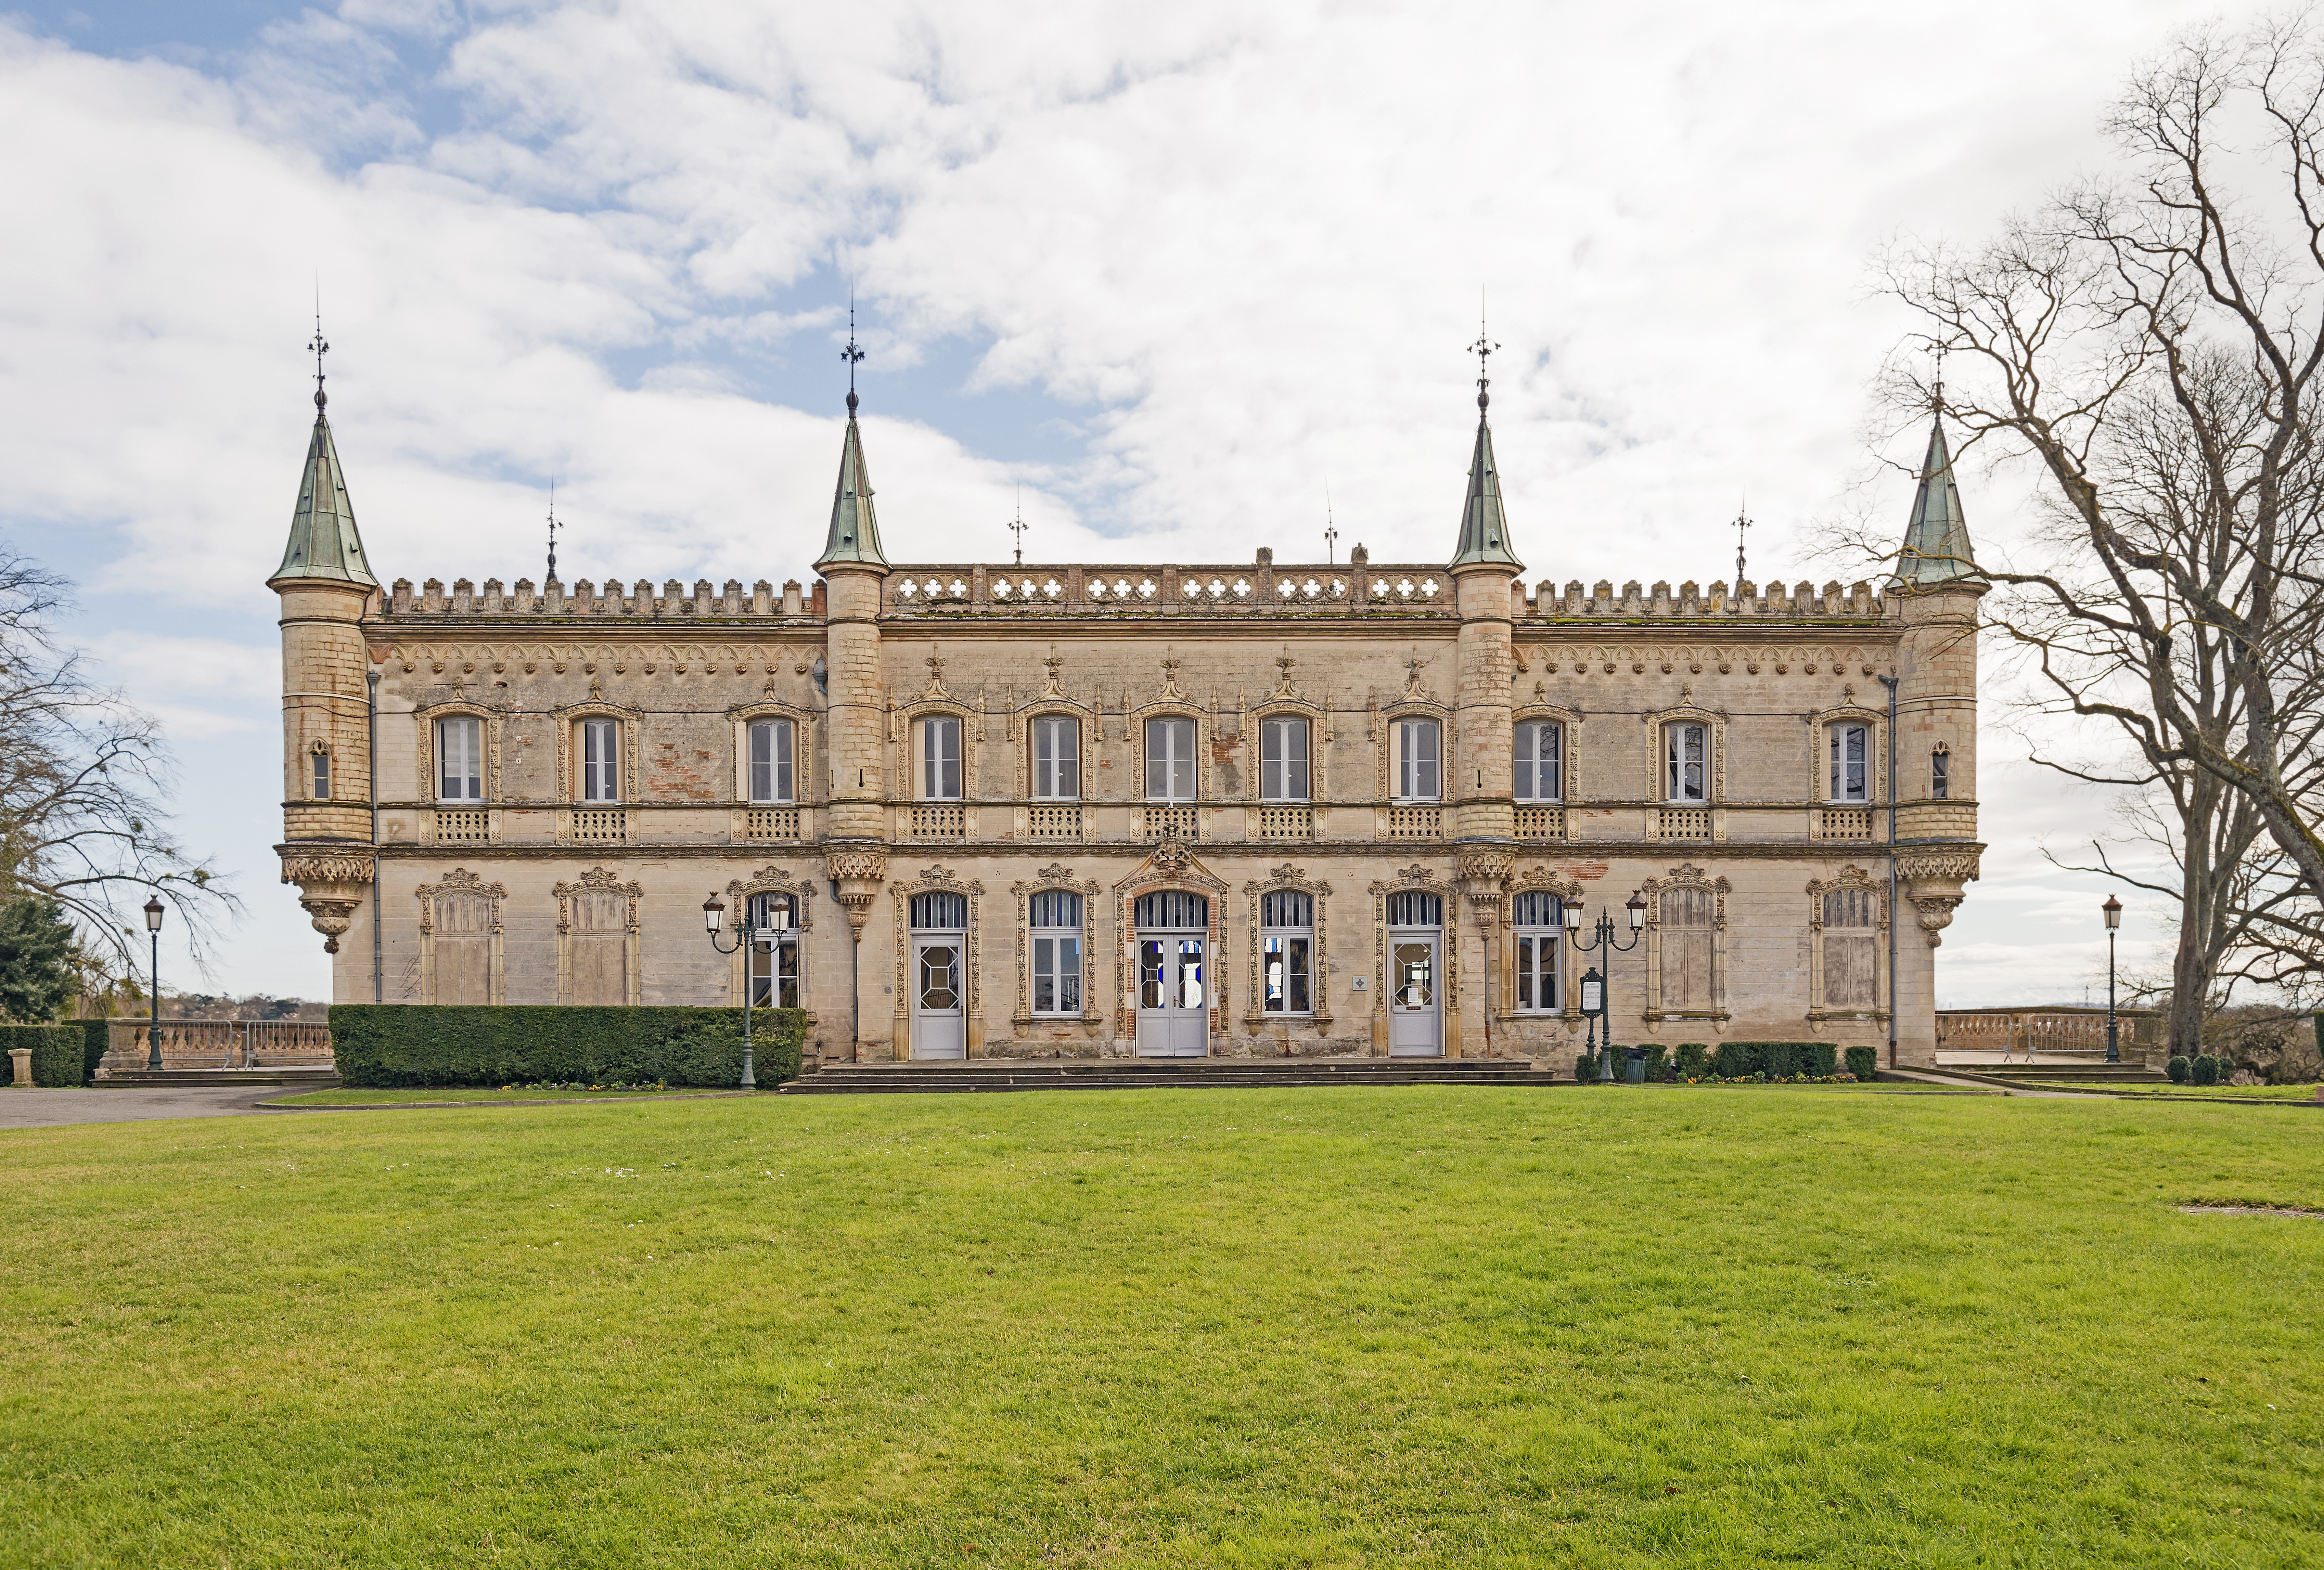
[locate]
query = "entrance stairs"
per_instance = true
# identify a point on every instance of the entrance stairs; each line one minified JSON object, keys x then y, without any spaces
{"x":305,"y":1076}
{"x":2083,"y":1074}
{"x":1149,"y":1073}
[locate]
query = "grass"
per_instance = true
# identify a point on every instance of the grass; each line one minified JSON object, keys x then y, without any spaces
{"x":345,"y":1095}
{"x":1424,"y":1326}
{"x":2232,"y":1092}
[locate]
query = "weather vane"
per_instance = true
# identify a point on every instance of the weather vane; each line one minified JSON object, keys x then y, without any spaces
{"x":1018,"y":528}
{"x":1742,"y":522}
{"x":553,"y":527}
{"x":1330,"y":529}
{"x":1483,"y":349}
{"x":1938,"y":391}
{"x":851,"y":353}
{"x":317,"y":348}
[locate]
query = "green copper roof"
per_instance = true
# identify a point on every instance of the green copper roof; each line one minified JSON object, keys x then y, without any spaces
{"x":324,"y":543}
{"x":854,"y":536}
{"x":1936,"y":540}
{"x":1484,"y":529}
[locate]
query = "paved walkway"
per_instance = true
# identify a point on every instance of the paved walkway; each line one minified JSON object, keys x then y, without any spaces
{"x":126,"y":1103}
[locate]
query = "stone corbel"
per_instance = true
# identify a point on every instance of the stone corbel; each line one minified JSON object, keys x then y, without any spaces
{"x":331,"y":885}
{"x":859,"y":871}
{"x":1484,"y":873}
{"x":1933,"y":881}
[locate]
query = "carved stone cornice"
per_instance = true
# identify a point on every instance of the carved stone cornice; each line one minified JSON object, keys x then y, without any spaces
{"x":332,"y":867}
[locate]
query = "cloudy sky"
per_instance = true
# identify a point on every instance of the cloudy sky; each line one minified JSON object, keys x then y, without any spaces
{"x":1176,"y":271}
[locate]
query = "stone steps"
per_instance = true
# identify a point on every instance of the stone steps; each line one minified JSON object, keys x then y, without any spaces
{"x":2071,"y":1073}
{"x":319,"y":1076}
{"x":1129,"y":1074}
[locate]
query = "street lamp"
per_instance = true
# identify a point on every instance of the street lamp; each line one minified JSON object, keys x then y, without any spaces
{"x":1604,"y":939}
{"x":714,"y":918}
{"x":154,"y":908}
{"x":2113,"y":909}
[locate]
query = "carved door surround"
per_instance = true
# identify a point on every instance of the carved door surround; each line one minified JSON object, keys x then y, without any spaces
{"x":939,"y":879}
{"x":1688,"y":877}
{"x":1849,"y":878}
{"x":1416,"y":878}
{"x":456,"y":884}
{"x":1169,"y":865}
{"x":595,"y":883}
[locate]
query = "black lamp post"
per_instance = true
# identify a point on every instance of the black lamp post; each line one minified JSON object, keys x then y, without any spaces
{"x":714,"y":917}
{"x":2113,"y":909}
{"x":153,"y":909}
{"x":1604,"y":939}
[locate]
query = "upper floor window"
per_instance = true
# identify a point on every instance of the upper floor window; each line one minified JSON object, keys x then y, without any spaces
{"x":1055,"y":917}
{"x":1417,"y":760}
{"x":1851,"y":768}
{"x":322,"y":761}
{"x":940,"y":758}
{"x":1537,"y":919}
{"x":1541,"y":761}
{"x":1283,"y":759}
{"x":1685,"y":776}
{"x":771,"y":760}
{"x":1286,"y":943}
{"x":1170,"y":760}
{"x":1058,"y":760}
{"x":1941,"y":770}
{"x":460,"y":758}
{"x":600,"y":760}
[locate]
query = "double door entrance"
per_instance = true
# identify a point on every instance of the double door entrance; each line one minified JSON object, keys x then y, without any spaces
{"x":1174,"y":999}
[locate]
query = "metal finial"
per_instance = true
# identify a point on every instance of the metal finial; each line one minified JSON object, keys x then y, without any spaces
{"x":851,"y":353}
{"x":317,"y":348}
{"x":553,"y":527}
{"x":1019,"y":525}
{"x":1742,"y":522}
{"x":1330,"y":529}
{"x":1483,"y":349}
{"x":1938,"y":391}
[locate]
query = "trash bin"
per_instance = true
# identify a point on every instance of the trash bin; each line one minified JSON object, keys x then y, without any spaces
{"x":1635,"y":1070}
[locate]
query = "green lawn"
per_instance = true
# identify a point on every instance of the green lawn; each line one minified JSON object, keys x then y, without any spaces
{"x":347,"y":1096}
{"x":2231,"y":1092}
{"x":1434,"y":1325}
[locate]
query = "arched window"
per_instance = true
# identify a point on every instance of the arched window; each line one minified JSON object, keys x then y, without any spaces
{"x":1415,"y":908}
{"x":1170,"y":760}
{"x":1541,"y":761}
{"x":1173,"y":910}
{"x":1056,"y":918}
{"x":1057,"y":757}
{"x":1537,"y":920}
{"x":322,"y":761}
{"x":1685,"y":770}
{"x":1941,"y":770}
{"x":939,"y":913}
{"x":1283,"y":758}
{"x":1850,"y":747}
{"x":1286,"y":941}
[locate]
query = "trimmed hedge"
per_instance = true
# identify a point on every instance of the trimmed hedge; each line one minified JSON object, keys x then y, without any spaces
{"x":97,"y":1038}
{"x":56,"y":1053}
{"x":401,"y":1044}
{"x":1864,"y":1063}
{"x":1776,"y":1060}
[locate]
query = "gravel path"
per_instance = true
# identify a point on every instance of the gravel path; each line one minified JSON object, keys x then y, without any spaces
{"x":126,"y":1103}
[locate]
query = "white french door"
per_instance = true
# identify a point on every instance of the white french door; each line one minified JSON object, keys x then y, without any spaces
{"x":938,"y":983}
{"x":1173,"y":1001}
{"x":1415,"y":1015}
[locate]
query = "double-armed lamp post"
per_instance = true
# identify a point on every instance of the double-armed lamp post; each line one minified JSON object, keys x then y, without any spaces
{"x":714,"y":917}
{"x":1594,"y":986}
{"x":2113,"y":909}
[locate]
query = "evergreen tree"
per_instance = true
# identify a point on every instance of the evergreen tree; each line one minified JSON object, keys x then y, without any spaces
{"x":36,"y":960}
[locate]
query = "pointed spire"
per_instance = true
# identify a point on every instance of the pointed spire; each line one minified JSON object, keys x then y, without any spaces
{"x":1484,"y":529}
{"x":324,"y":543}
{"x":1936,"y":538}
{"x":855,"y":536}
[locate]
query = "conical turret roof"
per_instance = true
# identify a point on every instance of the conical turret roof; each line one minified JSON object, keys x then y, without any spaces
{"x":1936,"y":538}
{"x":855,"y":536}
{"x":1484,"y":528}
{"x":324,"y":543}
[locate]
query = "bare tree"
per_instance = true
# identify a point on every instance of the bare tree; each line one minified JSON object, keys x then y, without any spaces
{"x":2153,"y":346}
{"x":81,"y":778}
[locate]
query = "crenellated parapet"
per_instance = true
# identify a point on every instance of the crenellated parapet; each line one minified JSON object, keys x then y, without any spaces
{"x":583,"y":600}
{"x":1690,"y":602}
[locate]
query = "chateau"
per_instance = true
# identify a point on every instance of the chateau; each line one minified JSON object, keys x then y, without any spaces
{"x":1162,"y":810}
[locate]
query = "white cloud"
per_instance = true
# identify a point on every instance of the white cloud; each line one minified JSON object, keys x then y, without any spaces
{"x":1237,"y":247}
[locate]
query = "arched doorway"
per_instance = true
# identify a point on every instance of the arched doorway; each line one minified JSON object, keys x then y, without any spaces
{"x":937,"y":974}
{"x":1415,"y":952}
{"x":1174,"y":999}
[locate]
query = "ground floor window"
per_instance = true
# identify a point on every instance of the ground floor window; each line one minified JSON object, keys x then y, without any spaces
{"x":1057,"y":923}
{"x":1537,"y":923}
{"x":1286,"y":942}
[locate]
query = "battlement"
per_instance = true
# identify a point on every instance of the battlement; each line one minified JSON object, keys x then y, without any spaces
{"x":951,"y":593}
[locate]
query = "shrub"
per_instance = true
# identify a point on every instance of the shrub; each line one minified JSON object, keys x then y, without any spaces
{"x":1657,"y":1062}
{"x":1864,"y":1063}
{"x":56,"y":1053}
{"x":389,"y":1044}
{"x":1585,"y":1066}
{"x":2179,"y":1068}
{"x":96,"y":1037}
{"x":2206,"y":1069}
{"x":1693,"y":1060}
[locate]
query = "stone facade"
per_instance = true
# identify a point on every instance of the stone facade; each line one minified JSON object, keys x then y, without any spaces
{"x":971,"y":747}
